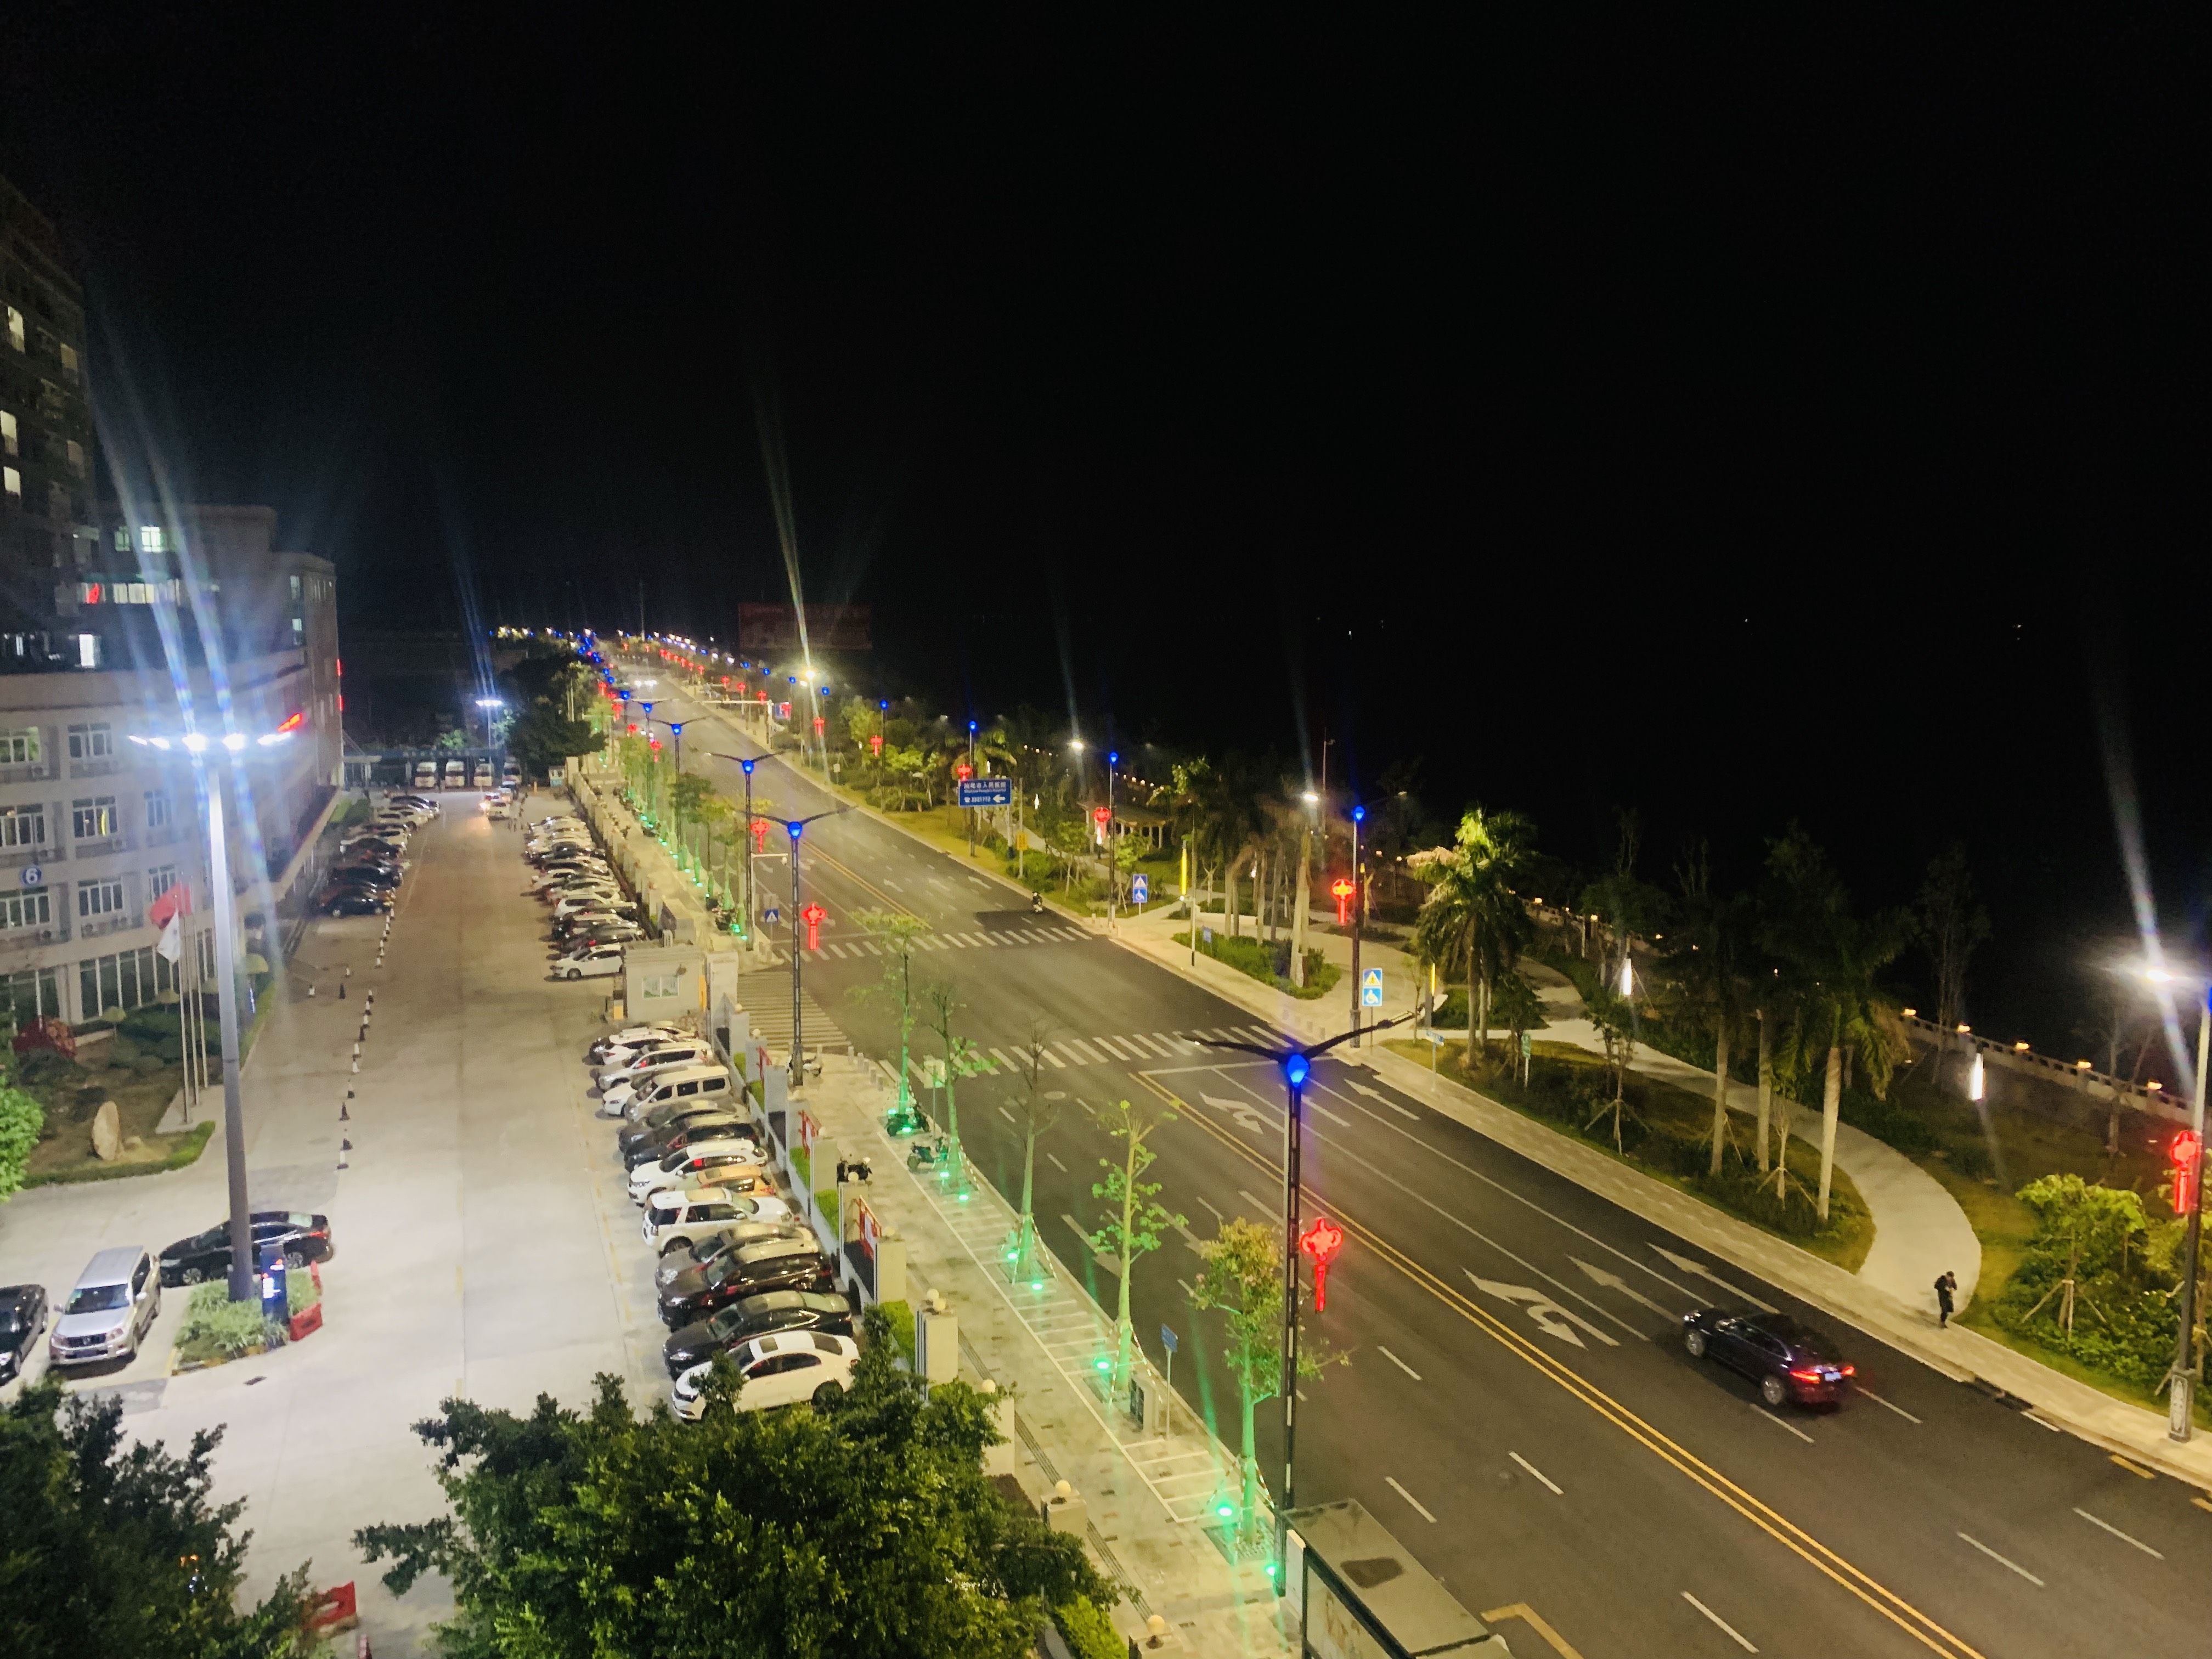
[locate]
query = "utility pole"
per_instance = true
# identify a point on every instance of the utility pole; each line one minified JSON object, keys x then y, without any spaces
{"x":1306,"y":892}
{"x":1113,"y":864}
{"x":972,"y":773}
{"x":1359,"y":892}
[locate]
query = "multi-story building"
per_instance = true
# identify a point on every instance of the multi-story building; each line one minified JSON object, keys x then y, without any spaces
{"x":46,"y":485}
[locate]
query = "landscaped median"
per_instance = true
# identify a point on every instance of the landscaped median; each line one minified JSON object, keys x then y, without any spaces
{"x":1268,"y":964}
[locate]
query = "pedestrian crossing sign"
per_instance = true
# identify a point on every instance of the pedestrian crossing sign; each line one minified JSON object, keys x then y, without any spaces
{"x":1371,"y":989}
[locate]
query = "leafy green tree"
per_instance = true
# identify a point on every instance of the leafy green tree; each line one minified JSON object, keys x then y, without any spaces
{"x":1133,"y":1229}
{"x":22,"y":1118}
{"x":687,"y":797}
{"x":1830,"y":961}
{"x":861,"y":1528}
{"x":896,"y":931}
{"x":1515,"y":1004}
{"x":1615,"y":1021}
{"x":941,"y":1003}
{"x":109,"y":1546}
{"x":2090,"y":1228}
{"x":1036,"y":1113}
{"x":1473,"y":915}
{"x":1243,"y":1279}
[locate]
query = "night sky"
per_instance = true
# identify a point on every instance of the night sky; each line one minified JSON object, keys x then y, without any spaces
{"x":1733,"y":420}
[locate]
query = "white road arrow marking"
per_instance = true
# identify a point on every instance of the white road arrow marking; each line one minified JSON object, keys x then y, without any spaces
{"x":1700,"y":1270}
{"x":1614,"y":1281}
{"x":1245,"y":1117}
{"x":1551,"y":1318}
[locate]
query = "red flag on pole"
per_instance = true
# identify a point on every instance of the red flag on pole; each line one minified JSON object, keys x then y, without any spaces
{"x":177,"y":900}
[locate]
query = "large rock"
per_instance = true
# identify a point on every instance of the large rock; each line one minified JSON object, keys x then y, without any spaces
{"x":106,"y":1131}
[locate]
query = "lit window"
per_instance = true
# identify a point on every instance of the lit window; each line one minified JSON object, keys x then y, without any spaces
{"x":88,"y":592}
{"x":93,"y":819}
{"x":12,"y":482}
{"x":9,"y":443}
{"x":76,"y":457}
{"x":14,"y":328}
{"x":69,"y":362}
{"x":136,"y":594}
{"x":122,"y":539}
{"x":150,"y":538}
{"x":98,"y":898}
{"x":87,"y":651}
{"x":295,"y":590}
{"x":20,"y":748}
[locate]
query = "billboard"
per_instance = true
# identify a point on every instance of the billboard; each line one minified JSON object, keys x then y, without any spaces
{"x":829,"y":627}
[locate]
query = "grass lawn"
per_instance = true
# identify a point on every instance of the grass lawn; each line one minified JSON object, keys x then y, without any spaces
{"x":1255,"y":959}
{"x":1670,"y":1116}
{"x":65,"y":1152}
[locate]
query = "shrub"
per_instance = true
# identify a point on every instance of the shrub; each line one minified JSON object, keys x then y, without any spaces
{"x":47,"y":1065}
{"x":1089,"y":1633}
{"x":171,"y":1049}
{"x":147,"y":1064}
{"x":1888,"y":1120}
{"x":124,"y":1051}
{"x":212,"y":1320}
{"x":902,"y":1318}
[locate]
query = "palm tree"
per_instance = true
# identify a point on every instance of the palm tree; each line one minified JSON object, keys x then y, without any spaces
{"x":1707,"y":971}
{"x":1830,"y":960}
{"x":1472,"y":914}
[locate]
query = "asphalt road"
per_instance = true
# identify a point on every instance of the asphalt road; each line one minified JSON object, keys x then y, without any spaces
{"x":1515,"y":1401}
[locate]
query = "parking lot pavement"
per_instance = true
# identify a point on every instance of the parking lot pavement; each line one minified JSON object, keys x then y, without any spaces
{"x":485,"y":1241}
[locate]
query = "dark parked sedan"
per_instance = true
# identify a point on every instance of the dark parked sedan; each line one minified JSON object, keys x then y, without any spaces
{"x":754,"y":1269}
{"x":757,"y":1315}
{"x":662,"y":1131}
{"x":22,"y":1321}
{"x":365,"y":875}
{"x":1787,"y":1361}
{"x":681,"y":1259}
{"x":304,"y":1238}
{"x":353,"y":902}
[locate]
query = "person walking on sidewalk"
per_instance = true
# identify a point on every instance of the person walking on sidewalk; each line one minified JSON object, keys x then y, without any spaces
{"x":1945,"y":1286}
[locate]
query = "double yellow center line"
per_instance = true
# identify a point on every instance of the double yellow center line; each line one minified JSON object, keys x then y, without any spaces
{"x":1784,"y":1531}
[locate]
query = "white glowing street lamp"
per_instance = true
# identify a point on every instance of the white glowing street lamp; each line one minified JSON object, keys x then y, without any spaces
{"x":2181,"y":1381}
{"x":227,"y":752}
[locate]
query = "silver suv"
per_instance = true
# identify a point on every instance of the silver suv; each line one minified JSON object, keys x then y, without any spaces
{"x":115,"y":1301}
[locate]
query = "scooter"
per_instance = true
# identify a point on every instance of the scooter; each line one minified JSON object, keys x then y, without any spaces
{"x":1036,"y":904}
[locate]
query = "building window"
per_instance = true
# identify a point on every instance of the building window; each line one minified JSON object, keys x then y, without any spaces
{"x":76,"y":457}
{"x":23,"y":826}
{"x":33,"y":993}
{"x":150,"y":539}
{"x":69,"y":364}
{"x":87,"y":651}
{"x":656,"y":985}
{"x":295,"y":590}
{"x":160,"y":810}
{"x":95,"y":742}
{"x":92,"y":820}
{"x":98,"y":898}
{"x":14,"y":328}
{"x":159,"y":881}
{"x":122,"y":539}
{"x":10,"y":444}
{"x":12,"y":483}
{"x":128,"y":979}
{"x":34,"y":909}
{"x":20,"y":748}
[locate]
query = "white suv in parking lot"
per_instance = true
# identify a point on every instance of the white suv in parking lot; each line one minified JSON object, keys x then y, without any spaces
{"x":675,"y":1217}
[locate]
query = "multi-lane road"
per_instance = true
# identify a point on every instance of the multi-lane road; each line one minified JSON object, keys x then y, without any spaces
{"x":1516,"y":1401}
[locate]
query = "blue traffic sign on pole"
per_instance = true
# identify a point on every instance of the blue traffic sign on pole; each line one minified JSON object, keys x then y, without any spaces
{"x":1371,"y":989}
{"x":986,"y":792}
{"x":1167,"y":1338}
{"x":1141,"y":889}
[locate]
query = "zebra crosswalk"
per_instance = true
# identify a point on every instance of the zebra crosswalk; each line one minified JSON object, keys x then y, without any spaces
{"x":975,"y":940}
{"x":1141,"y":1049}
{"x":765,"y":996}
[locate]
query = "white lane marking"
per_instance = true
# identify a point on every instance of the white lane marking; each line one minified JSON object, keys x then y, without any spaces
{"x":2002,"y":1562}
{"x":1170,"y":1044}
{"x":2042,"y":1424}
{"x":1784,"y":1423}
{"x":1388,"y":1355}
{"x":1118,"y":1049}
{"x":1112,"y":1264}
{"x":1259,"y":1204}
{"x":999,"y":1055}
{"x":1879,"y":1401}
{"x":1614,"y":1281}
{"x":1075,"y":1055}
{"x":1139,"y":1039}
{"x":1317,"y":1108}
{"x":1211,"y":1210}
{"x":1410,"y":1498}
{"x":1377,"y":1094}
{"x":1538,"y":1473}
{"x":1056,"y":1163}
{"x":1092,"y":1057}
{"x":2117,"y":1533}
{"x":1550,"y":1317}
{"x":1735,"y":1635}
{"x":1684,"y":1264}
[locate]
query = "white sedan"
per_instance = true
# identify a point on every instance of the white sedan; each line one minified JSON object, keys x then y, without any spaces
{"x":630,"y":1035}
{"x":600,"y":961}
{"x":779,"y":1370}
{"x":655,"y":1057}
{"x":602,"y":897}
{"x":731,"y":1165}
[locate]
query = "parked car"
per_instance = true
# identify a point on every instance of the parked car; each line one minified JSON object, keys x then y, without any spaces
{"x":22,"y":1322}
{"x":708,"y":1081}
{"x":421,"y":803}
{"x":675,"y":1217}
{"x":365,"y":873}
{"x":754,"y":1269}
{"x":114,"y":1302}
{"x":594,"y":962}
{"x":680,"y":1051}
{"x":619,"y":933}
{"x":643,"y":1145}
{"x":683,"y":1111}
{"x":379,"y":846}
{"x":680,"y":1256}
{"x":778,"y":1370}
{"x":734,"y":1166}
{"x":1785,"y":1359}
{"x":303,"y":1238}
{"x":768,"y":1315}
{"x":353,"y":902}
{"x":595,"y":896}
{"x":630,"y":1035}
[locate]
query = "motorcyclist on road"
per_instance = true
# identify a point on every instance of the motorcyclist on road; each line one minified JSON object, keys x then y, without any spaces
{"x":1036,"y":904}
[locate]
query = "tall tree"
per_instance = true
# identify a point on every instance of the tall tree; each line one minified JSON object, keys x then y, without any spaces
{"x":861,"y":1530}
{"x":1035,"y":1112}
{"x":111,"y":1546}
{"x":1132,"y":1227}
{"x":1831,"y":961}
{"x":1950,"y":924}
{"x":1472,"y":914}
{"x":1243,"y":1279}
{"x":941,"y":1004}
{"x":1707,"y":971}
{"x":22,"y":1118}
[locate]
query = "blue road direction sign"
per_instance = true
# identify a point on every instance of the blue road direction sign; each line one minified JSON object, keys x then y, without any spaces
{"x":986,"y":792}
{"x":1370,"y":987}
{"x":1141,"y":889}
{"x":1167,"y":1338}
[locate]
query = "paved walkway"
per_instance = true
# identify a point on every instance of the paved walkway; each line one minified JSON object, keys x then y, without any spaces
{"x":1887,"y":1299}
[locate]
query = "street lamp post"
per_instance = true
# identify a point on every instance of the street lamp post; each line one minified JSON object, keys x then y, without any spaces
{"x":972,"y":773}
{"x":232,"y":747}
{"x":798,"y":1008}
{"x":489,"y":705}
{"x":1306,"y":892}
{"x":2180,"y":1422}
{"x":1113,"y":866}
{"x":1359,"y":817}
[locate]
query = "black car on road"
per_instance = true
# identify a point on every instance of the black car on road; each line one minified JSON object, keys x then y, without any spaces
{"x":1785,"y":1359}
{"x":303,"y":1238}
{"x":22,"y":1322}
{"x":754,"y":1269}
{"x":347,"y":901}
{"x":757,"y":1315}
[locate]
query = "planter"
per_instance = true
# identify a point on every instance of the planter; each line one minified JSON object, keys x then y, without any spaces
{"x":306,"y":1322}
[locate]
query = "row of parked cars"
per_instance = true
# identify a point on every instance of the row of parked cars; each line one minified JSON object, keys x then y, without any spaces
{"x":738,"y":1274}
{"x":364,"y":879}
{"x":118,"y":1296}
{"x":593,"y":918}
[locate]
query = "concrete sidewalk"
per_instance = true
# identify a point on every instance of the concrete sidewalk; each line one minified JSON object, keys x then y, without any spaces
{"x":1903,"y":1316}
{"x":1146,"y":1495}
